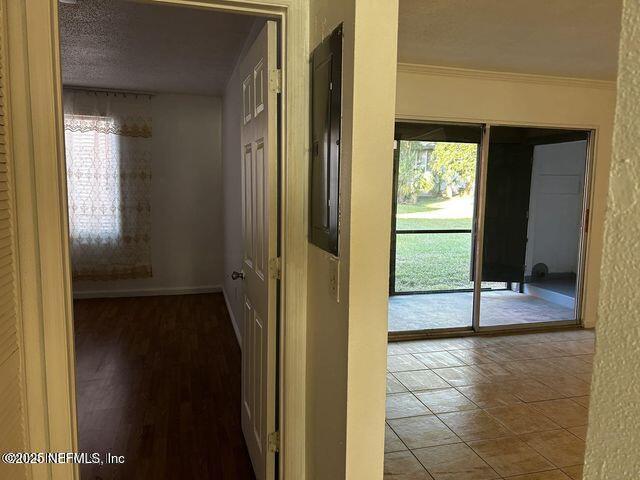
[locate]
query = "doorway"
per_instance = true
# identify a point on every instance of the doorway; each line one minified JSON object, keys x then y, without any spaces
{"x":488,"y":227}
{"x":36,"y":110}
{"x":169,"y":137}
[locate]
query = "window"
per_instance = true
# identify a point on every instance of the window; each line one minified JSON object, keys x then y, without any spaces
{"x":108,"y":157}
{"x":93,"y":174}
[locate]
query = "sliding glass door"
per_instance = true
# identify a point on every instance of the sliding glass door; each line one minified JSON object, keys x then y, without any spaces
{"x":533,"y":224}
{"x":431,"y":284}
{"x":474,"y":227}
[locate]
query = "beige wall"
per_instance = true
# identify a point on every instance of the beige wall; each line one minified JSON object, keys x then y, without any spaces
{"x":437,"y":93}
{"x":614,"y":416}
{"x":347,"y":338}
{"x":327,"y":320}
{"x":186,"y":201}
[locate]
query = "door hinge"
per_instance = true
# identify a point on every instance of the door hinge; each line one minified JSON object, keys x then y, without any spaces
{"x":275,"y":268}
{"x":274,"y":441}
{"x":275,"y":80}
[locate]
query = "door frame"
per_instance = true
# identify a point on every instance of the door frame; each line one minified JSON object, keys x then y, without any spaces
{"x":44,"y":276}
{"x":583,"y":250}
{"x":394,"y":232}
{"x":582,"y":241}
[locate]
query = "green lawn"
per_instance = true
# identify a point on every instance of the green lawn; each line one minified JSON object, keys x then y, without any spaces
{"x":434,"y":261}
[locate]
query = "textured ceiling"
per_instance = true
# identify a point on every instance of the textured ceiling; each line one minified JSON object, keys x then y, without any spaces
{"x":574,"y":38}
{"x":130,"y":46}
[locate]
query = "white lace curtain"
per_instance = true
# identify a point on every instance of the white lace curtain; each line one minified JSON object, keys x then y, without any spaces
{"x":108,"y":157}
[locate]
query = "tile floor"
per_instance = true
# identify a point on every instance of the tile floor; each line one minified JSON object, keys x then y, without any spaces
{"x":483,"y":408}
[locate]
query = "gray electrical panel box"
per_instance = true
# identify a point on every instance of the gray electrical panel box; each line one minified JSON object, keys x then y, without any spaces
{"x":326,"y":112}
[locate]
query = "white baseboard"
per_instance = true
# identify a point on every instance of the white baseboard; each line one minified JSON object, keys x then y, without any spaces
{"x":232,"y":317}
{"x":147,"y":292}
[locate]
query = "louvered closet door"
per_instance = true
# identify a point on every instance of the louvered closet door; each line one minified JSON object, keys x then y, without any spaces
{"x":11,"y":412}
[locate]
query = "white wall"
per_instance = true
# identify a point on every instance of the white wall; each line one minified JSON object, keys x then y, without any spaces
{"x":186,"y":201}
{"x":440,"y":93}
{"x":555,"y":206}
{"x":232,"y":199}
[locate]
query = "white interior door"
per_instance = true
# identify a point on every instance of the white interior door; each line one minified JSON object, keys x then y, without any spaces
{"x":259,"y":189}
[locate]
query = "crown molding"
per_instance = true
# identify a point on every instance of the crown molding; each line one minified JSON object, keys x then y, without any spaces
{"x":505,"y":76}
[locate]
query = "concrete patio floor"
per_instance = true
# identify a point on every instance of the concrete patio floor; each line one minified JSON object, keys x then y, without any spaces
{"x":451,"y":310}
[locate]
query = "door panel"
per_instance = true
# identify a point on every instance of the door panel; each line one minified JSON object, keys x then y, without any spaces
{"x":506,"y":212}
{"x":532,"y":195}
{"x":248,"y":204}
{"x":247,"y":360}
{"x":260,"y":207}
{"x":259,"y":185}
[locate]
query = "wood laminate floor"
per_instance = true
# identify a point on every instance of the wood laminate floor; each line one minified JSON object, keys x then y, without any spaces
{"x":158,"y":381}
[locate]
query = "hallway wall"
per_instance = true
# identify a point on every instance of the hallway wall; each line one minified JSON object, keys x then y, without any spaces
{"x":232,"y":200}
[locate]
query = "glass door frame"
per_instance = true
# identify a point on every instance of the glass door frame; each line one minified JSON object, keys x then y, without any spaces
{"x":478,"y":237}
{"x":478,"y":240}
{"x":408,"y":334}
{"x":432,"y":231}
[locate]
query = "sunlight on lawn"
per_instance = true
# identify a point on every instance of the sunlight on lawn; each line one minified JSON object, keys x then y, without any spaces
{"x":456,"y":207}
